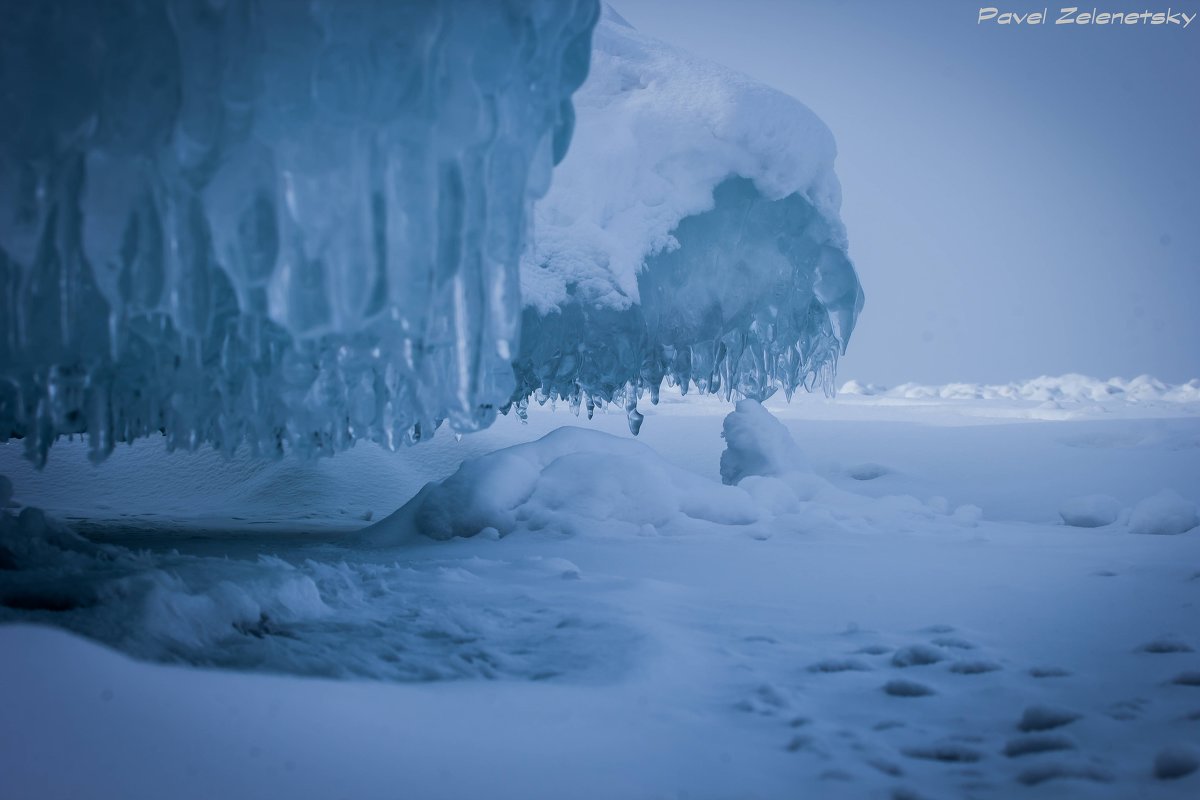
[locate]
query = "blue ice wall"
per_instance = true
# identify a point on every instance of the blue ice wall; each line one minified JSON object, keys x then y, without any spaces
{"x":286,"y":225}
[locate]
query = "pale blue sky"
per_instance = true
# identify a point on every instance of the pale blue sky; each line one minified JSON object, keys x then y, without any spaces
{"x":1019,"y":201}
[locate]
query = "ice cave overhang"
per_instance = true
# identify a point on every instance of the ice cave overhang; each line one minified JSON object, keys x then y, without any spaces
{"x":291,"y":227}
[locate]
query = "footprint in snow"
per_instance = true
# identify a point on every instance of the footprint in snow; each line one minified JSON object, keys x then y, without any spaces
{"x":1044,"y":718}
{"x":867,"y":472}
{"x":1166,"y":644}
{"x":886,"y":767}
{"x":1062,"y":771}
{"x":765,"y":700}
{"x":1049,"y":672}
{"x":1189,"y":678}
{"x":1176,"y":762}
{"x":1127,"y":710}
{"x":916,"y":655}
{"x":804,"y":743}
{"x":976,"y":667}
{"x":874,"y":650}
{"x":1037,"y":743}
{"x":903,"y":688}
{"x":947,"y":753}
{"x":953,"y":642}
{"x":831,"y":665}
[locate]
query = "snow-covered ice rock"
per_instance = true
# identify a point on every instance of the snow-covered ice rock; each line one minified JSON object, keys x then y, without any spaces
{"x":279,"y":224}
{"x":1164,"y":513}
{"x":692,"y":234}
{"x":1090,"y":511}
{"x":756,"y":443}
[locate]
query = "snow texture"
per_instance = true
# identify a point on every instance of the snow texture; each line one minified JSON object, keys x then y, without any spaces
{"x":284,"y":225}
{"x":691,"y":235}
{"x":805,"y":633}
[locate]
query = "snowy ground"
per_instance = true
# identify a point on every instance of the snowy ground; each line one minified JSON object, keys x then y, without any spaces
{"x":897,"y":612}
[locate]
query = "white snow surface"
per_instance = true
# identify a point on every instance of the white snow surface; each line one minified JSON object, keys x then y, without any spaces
{"x":657,"y":130}
{"x":886,"y":603}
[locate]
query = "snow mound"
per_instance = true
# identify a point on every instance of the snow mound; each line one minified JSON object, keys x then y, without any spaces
{"x":570,"y":481}
{"x":691,"y":234}
{"x":1164,"y":513}
{"x":578,"y":481}
{"x":1090,"y":511}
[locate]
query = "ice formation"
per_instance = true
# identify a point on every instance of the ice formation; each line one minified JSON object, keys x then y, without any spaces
{"x":280,"y":224}
{"x":1070,"y":388}
{"x":756,"y":443}
{"x":691,"y":234}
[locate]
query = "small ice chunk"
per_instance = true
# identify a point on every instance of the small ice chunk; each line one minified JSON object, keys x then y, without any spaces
{"x":1090,"y":511}
{"x":756,"y":443}
{"x":1164,"y":513}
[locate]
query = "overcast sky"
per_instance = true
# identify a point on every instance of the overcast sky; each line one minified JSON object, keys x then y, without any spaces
{"x":1020,"y":201}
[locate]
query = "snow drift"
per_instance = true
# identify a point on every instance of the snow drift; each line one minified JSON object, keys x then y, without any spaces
{"x":565,"y":482}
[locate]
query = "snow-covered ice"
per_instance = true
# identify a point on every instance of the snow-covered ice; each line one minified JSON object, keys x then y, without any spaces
{"x":691,"y":235}
{"x":883,"y":601}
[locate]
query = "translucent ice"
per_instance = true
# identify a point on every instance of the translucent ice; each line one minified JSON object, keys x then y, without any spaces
{"x":691,"y":235}
{"x":281,"y":224}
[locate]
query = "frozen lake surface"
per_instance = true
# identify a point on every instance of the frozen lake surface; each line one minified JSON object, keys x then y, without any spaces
{"x":900,"y":612}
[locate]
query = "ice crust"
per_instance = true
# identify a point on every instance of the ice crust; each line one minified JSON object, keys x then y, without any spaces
{"x":691,"y":235}
{"x":284,"y":225}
